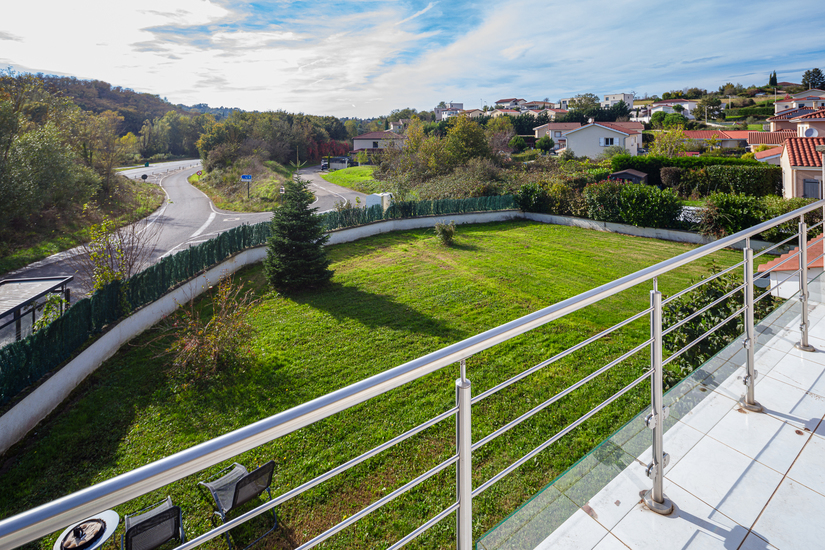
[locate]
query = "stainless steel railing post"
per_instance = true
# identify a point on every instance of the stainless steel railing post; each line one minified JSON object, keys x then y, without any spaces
{"x":803,"y":286}
{"x":655,"y":498}
{"x":748,"y":400}
{"x":464,"y":468}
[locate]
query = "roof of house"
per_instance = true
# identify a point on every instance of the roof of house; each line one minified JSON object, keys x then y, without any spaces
{"x":509,"y":99}
{"x":705,"y":134}
{"x":737,"y":134}
{"x":384,"y":134}
{"x":788,"y":114}
{"x":559,"y":125}
{"x":783,"y":84}
{"x":814,"y":251}
{"x":558,"y":110}
{"x":508,"y":111}
{"x":671,"y":101}
{"x":630,"y":125}
{"x":607,"y":126}
{"x":768,"y":153}
{"x":769,"y":138}
{"x":630,"y":171}
{"x":814,"y":115}
{"x":802,"y":151}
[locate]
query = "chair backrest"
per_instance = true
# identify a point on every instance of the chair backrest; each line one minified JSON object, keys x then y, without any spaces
{"x":154,"y":531}
{"x":253,"y":484}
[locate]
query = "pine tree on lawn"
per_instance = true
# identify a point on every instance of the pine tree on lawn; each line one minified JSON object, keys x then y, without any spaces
{"x":296,"y":258}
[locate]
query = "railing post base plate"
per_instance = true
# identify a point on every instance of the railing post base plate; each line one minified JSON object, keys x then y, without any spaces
{"x":804,"y":347}
{"x":663,"y":508}
{"x":752,"y":407}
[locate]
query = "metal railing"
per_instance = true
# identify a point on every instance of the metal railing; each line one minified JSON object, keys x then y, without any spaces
{"x":64,"y":511}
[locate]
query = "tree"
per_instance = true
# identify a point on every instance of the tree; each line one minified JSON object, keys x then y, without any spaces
{"x":296,"y":258}
{"x":499,"y":133}
{"x":674,"y":119}
{"x":669,"y":143}
{"x":545,"y":144}
{"x":583,"y":102}
{"x":518,"y":144}
{"x":710,"y":105}
{"x":813,"y":79}
{"x":678,"y":108}
{"x":772,"y":79}
{"x":465,"y":140}
{"x":658,"y":119}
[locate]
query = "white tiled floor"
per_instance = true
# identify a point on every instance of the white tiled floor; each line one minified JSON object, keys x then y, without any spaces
{"x":739,"y":480}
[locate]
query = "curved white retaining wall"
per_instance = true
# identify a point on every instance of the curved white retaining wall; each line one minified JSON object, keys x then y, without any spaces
{"x":24,"y":416}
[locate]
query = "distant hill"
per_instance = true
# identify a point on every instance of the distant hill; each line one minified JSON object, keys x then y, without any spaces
{"x":219,"y":113}
{"x":98,"y":96}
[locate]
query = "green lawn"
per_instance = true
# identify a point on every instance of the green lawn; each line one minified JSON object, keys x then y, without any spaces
{"x":357,"y":178}
{"x":393,"y":298}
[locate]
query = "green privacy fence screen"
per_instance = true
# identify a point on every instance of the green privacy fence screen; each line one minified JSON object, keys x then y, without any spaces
{"x":25,"y":361}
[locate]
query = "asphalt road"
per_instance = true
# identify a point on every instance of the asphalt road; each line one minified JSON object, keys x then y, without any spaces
{"x":187,"y":217}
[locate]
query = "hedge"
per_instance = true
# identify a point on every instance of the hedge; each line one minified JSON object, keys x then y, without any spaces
{"x":758,"y":181}
{"x":750,"y":111}
{"x":726,"y":214}
{"x":652,"y":166}
{"x":24,"y":362}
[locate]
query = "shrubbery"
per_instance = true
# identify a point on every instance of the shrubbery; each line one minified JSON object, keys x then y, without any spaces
{"x":603,"y":201}
{"x":648,"y":206}
{"x":726,"y":214}
{"x":652,"y":165}
{"x":751,"y":180}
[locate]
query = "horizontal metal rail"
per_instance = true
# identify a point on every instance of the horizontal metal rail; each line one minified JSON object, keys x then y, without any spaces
{"x":56,"y":515}
{"x":702,"y":282}
{"x":786,"y":260}
{"x":577,"y":385}
{"x":509,"y":469}
{"x":441,"y":515}
{"x":558,"y":356}
{"x":815,"y":259}
{"x":777,"y":285}
{"x":703,"y":310}
{"x":705,"y":335}
{"x":766,"y":250}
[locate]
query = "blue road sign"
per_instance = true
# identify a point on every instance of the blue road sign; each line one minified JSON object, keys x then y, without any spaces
{"x":246,"y":177}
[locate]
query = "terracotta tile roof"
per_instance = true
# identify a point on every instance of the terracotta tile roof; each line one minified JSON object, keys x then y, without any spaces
{"x":737,"y":134}
{"x":380,"y":135}
{"x":802,"y":151}
{"x":559,"y":125}
{"x":705,"y":134}
{"x":787,"y":84}
{"x":820,"y":114}
{"x":814,"y":250}
{"x":557,"y":110}
{"x":770,"y":138}
{"x":788,"y":114}
{"x":508,"y":111}
{"x":768,"y":153}
{"x":628,"y":128}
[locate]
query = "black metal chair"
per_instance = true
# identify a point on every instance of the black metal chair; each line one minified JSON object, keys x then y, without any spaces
{"x":238,"y":487}
{"x":149,"y":530}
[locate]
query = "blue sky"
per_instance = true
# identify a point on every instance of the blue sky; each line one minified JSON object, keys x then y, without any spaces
{"x":365,"y":58}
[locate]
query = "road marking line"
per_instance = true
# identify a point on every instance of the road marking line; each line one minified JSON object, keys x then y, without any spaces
{"x":204,"y":226}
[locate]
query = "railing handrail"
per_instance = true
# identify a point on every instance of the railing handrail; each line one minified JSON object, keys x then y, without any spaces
{"x":64,"y":511}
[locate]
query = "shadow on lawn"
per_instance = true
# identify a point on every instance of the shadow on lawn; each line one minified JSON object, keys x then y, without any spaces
{"x":376,"y":310}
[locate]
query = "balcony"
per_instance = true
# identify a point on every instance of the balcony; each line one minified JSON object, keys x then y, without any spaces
{"x":722,"y":460}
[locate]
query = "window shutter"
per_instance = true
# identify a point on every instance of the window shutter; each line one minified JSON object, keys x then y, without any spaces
{"x":601,"y":142}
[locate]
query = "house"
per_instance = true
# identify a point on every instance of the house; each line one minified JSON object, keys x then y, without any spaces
{"x":783,"y":277}
{"x":669,"y":106}
{"x":612,"y":99}
{"x":725,"y":139}
{"x":769,"y":156}
{"x":553,"y":113}
{"x":591,"y":139}
{"x":565,"y":103}
{"x":556,"y":131}
{"x":447,"y":107}
{"x":755,"y":139}
{"x":511,"y":102}
{"x":809,"y":98}
{"x":450,"y":113}
{"x":782,"y":120}
{"x":801,"y":167}
{"x":810,"y":124}
{"x":373,"y":142}
{"x":537,"y":105}
{"x":501,"y":112}
{"x":399,"y":124}
{"x":473,"y":113}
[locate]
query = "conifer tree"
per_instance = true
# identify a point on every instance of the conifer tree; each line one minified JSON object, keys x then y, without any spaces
{"x":296,"y":258}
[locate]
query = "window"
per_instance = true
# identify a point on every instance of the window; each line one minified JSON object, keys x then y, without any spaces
{"x":608,"y":142}
{"x":375,"y":145}
{"x":558,"y":133}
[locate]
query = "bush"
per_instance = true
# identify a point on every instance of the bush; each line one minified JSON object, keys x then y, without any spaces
{"x":549,"y":198}
{"x":445,"y":232}
{"x":652,"y":165}
{"x":648,"y":206}
{"x":604,"y":201}
{"x":671,"y":177}
{"x":725,"y":214}
{"x":206,"y":343}
{"x":776,"y":206}
{"x":751,"y":180}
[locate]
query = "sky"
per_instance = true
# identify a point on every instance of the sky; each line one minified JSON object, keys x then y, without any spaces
{"x":364,"y":58}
